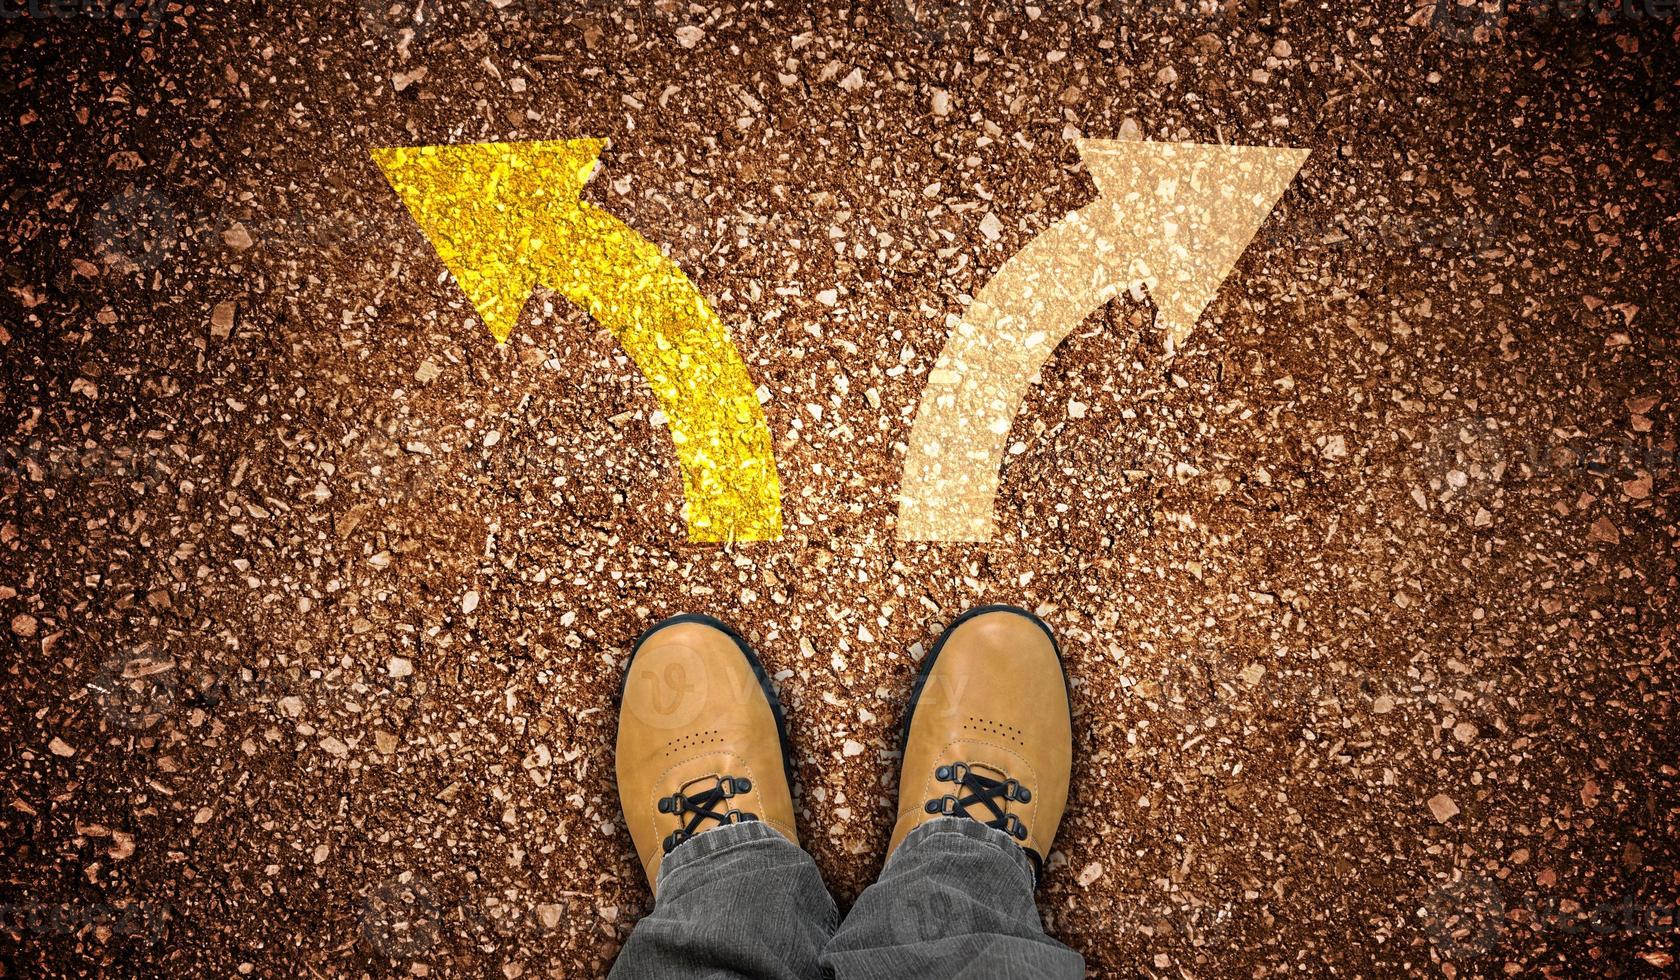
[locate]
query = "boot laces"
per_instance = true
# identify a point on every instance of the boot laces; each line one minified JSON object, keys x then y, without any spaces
{"x":701,"y":800}
{"x":983,"y":794}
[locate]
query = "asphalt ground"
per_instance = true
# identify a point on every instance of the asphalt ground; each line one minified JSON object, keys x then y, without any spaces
{"x":317,"y":598}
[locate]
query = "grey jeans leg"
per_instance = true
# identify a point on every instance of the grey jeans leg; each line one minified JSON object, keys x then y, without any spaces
{"x":955,"y":900}
{"x":737,"y":902}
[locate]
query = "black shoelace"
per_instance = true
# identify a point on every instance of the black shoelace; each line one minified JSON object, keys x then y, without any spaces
{"x":992,"y":791}
{"x":702,"y":805}
{"x":977,"y":789}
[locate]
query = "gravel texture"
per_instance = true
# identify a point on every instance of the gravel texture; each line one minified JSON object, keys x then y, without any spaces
{"x":315,"y":600}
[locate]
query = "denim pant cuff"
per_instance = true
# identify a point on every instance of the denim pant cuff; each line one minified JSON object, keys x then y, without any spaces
{"x":702,"y":846}
{"x":983,"y":835}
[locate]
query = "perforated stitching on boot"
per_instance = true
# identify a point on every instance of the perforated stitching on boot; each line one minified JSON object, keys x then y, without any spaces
{"x":694,"y":740}
{"x":999,"y":729}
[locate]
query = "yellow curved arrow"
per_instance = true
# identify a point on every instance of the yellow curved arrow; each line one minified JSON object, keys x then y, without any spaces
{"x":1171,"y":216}
{"x":505,"y":217}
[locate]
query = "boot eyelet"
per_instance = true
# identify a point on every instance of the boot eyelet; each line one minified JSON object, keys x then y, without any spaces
{"x":945,"y":806}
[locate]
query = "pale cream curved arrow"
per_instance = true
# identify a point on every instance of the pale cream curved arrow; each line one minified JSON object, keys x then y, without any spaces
{"x":1172,"y":217}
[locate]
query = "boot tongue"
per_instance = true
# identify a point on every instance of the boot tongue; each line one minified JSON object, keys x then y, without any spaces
{"x":702,"y":804}
{"x":991,"y":798}
{"x":981,"y":793}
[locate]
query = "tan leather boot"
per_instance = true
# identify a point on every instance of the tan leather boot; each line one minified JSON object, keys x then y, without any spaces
{"x":989,"y":734}
{"x":701,"y":742}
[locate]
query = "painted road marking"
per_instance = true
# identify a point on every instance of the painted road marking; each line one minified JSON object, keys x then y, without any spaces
{"x":505,"y":217}
{"x":1172,"y":217}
